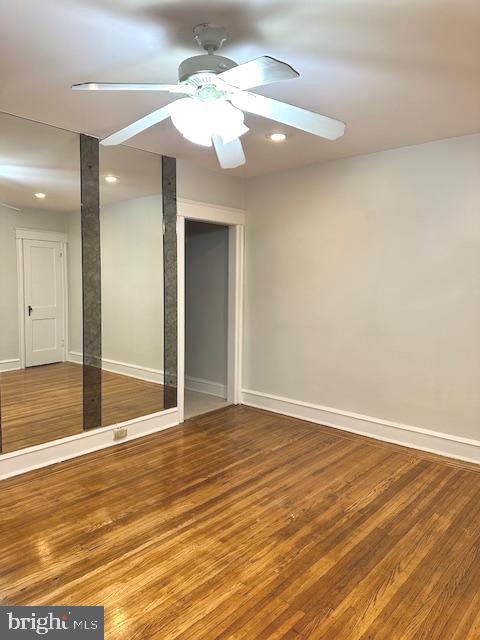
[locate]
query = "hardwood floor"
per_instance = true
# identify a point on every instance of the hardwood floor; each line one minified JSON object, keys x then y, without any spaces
{"x":245,"y":524}
{"x":40,"y":404}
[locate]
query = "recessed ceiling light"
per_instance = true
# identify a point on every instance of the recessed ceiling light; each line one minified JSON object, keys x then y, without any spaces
{"x":40,"y":196}
{"x":277,"y":137}
{"x":111,"y":179}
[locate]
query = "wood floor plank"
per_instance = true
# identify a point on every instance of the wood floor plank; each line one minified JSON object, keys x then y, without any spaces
{"x":392,"y":565}
{"x":249,"y":525}
{"x":418,"y":594}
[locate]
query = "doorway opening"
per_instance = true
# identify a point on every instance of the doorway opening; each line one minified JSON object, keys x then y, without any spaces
{"x":206,"y":316}
{"x":233,"y":220}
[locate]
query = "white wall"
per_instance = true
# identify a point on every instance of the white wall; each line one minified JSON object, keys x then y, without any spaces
{"x":363,"y":285}
{"x":195,"y":183}
{"x":206,"y":302}
{"x":10,"y":221}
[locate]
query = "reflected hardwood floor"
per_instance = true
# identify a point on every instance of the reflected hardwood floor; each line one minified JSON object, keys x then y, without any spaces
{"x":249,"y":525}
{"x":40,"y":404}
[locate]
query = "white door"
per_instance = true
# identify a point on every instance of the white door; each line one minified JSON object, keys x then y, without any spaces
{"x":44,"y":302}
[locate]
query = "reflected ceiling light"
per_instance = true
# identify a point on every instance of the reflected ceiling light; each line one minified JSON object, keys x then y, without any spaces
{"x":111,"y":179}
{"x":40,"y":196}
{"x":277,"y":137}
{"x":200,"y":120}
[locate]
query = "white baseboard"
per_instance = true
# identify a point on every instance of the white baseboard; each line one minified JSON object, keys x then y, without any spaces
{"x":414,"y":437}
{"x":123,"y":368}
{"x":206,"y":386}
{"x":10,"y":365}
{"x":43,"y":455}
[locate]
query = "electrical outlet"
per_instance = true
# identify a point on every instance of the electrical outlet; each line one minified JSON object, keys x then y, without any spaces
{"x":120,"y":433}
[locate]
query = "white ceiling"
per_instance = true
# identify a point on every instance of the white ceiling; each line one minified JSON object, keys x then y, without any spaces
{"x":398,"y":72}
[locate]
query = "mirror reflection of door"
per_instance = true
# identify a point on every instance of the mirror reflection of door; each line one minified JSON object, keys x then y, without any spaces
{"x":44,"y":302}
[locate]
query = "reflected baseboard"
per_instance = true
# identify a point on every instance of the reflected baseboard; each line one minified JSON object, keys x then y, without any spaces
{"x":10,"y":365}
{"x":123,"y":368}
{"x":206,"y":386}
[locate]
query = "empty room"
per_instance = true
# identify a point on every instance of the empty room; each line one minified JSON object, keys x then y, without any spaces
{"x":240,"y":319}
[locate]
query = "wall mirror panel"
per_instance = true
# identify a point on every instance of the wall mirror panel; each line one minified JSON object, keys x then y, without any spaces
{"x":40,"y":283}
{"x":82,"y":331}
{"x":131,"y":248}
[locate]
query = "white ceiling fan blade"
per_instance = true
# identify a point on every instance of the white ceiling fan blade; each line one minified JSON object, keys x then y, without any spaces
{"x":258,"y":72}
{"x":113,"y":86}
{"x":230,"y":155}
{"x":138,"y":126}
{"x":9,"y":206}
{"x":297,"y":117}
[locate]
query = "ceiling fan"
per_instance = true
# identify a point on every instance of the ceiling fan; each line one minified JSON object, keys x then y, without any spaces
{"x":215,"y":97}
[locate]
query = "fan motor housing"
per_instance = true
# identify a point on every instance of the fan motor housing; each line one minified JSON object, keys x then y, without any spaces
{"x":207,"y":63}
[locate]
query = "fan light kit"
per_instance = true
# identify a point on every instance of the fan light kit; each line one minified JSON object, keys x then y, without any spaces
{"x":40,"y":196}
{"x":215,"y":97}
{"x":111,"y":179}
{"x":277,"y":137}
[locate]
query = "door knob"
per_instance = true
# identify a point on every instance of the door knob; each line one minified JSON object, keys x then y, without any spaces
{"x":30,"y":309}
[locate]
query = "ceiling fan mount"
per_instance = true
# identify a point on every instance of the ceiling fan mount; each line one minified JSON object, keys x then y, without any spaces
{"x":216,"y":94}
{"x":210,"y":37}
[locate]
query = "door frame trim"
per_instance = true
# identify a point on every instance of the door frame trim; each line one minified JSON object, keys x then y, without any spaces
{"x":51,"y":236}
{"x":235,"y":220}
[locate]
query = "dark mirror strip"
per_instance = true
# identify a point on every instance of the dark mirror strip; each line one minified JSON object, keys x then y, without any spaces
{"x":169,"y":195}
{"x":91,"y":282}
